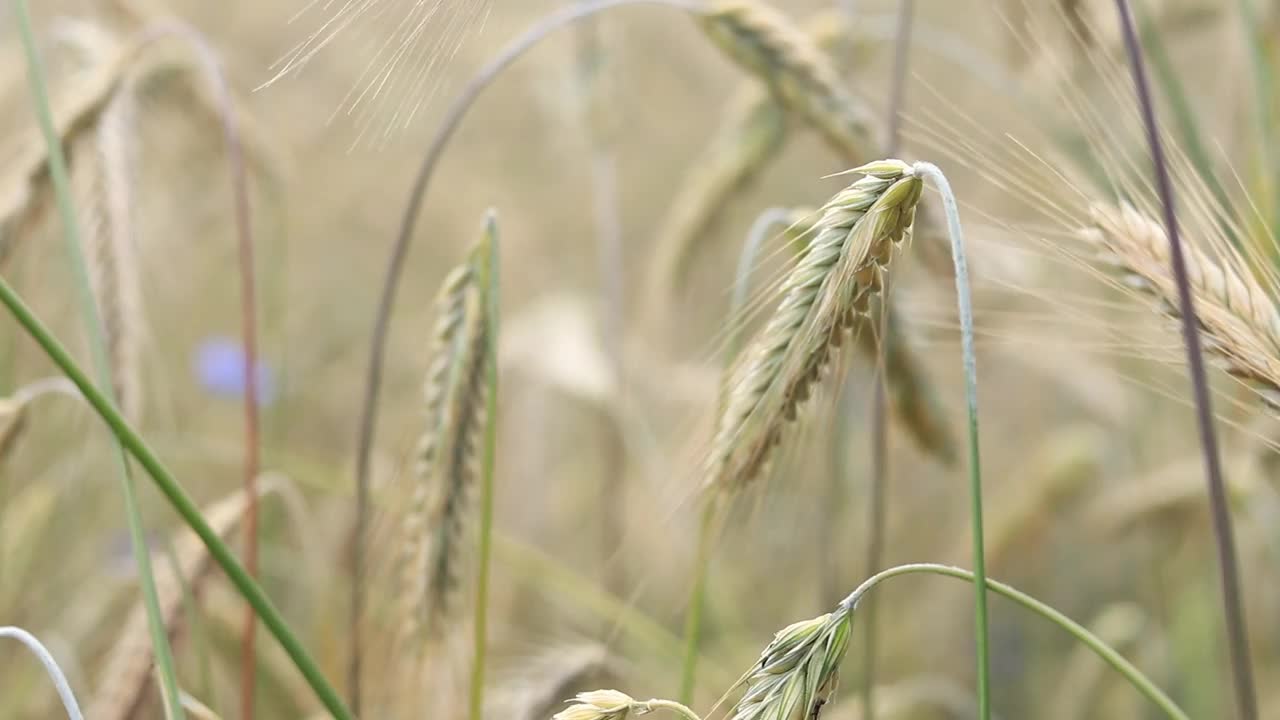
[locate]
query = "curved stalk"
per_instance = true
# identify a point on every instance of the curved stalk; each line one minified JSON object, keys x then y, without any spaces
{"x":965,"y":311}
{"x":42,"y":654}
{"x":1140,"y":682}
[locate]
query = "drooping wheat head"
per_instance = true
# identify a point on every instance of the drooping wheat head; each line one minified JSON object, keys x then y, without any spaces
{"x":798,"y":671}
{"x":830,"y":287}
{"x":917,"y":405}
{"x":1237,"y":316}
{"x":800,"y":75}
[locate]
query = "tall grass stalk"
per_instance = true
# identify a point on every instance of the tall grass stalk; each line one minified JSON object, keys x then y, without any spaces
{"x":1237,"y":635}
{"x":487,"y":277}
{"x":60,"y":684}
{"x":367,"y":427}
{"x":178,"y":499}
{"x":93,"y":326}
{"x":965,"y":311}
{"x":1136,"y":678}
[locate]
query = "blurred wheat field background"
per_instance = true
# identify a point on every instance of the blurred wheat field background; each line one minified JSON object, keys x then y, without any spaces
{"x":583,"y":238}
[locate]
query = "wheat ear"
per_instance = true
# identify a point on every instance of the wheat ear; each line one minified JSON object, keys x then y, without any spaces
{"x":446,"y":468}
{"x":122,"y":689}
{"x":916,"y":402}
{"x":831,"y":286}
{"x":1237,"y":316}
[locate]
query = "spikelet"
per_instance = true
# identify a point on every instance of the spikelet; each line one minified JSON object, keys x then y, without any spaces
{"x":829,"y":288}
{"x":122,"y":689}
{"x":601,"y":705}
{"x":446,"y":469}
{"x":1237,"y":316}
{"x":916,"y":402}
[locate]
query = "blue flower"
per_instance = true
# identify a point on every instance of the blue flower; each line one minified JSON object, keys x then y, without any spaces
{"x":219,"y":368}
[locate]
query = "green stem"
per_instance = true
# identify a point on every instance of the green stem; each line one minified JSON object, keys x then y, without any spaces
{"x":965,"y":309}
{"x":488,"y":273}
{"x":1140,"y":682}
{"x":178,"y":498}
{"x":93,"y":325}
{"x":697,"y":602}
{"x":671,"y":705}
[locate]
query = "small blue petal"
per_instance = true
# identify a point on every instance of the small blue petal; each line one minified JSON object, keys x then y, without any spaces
{"x":219,"y":368}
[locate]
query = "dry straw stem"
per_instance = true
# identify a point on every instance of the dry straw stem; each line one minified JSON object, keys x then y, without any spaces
{"x":916,"y":402}
{"x":122,"y":689}
{"x":1236,"y":315}
{"x":446,"y":466}
{"x":829,"y":288}
{"x":753,"y":129}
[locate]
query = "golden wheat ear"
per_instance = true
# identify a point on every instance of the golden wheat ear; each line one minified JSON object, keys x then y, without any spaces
{"x":1236,"y":314}
{"x":830,"y":287}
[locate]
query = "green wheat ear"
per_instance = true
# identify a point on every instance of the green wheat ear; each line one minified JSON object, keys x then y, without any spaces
{"x":798,"y":672}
